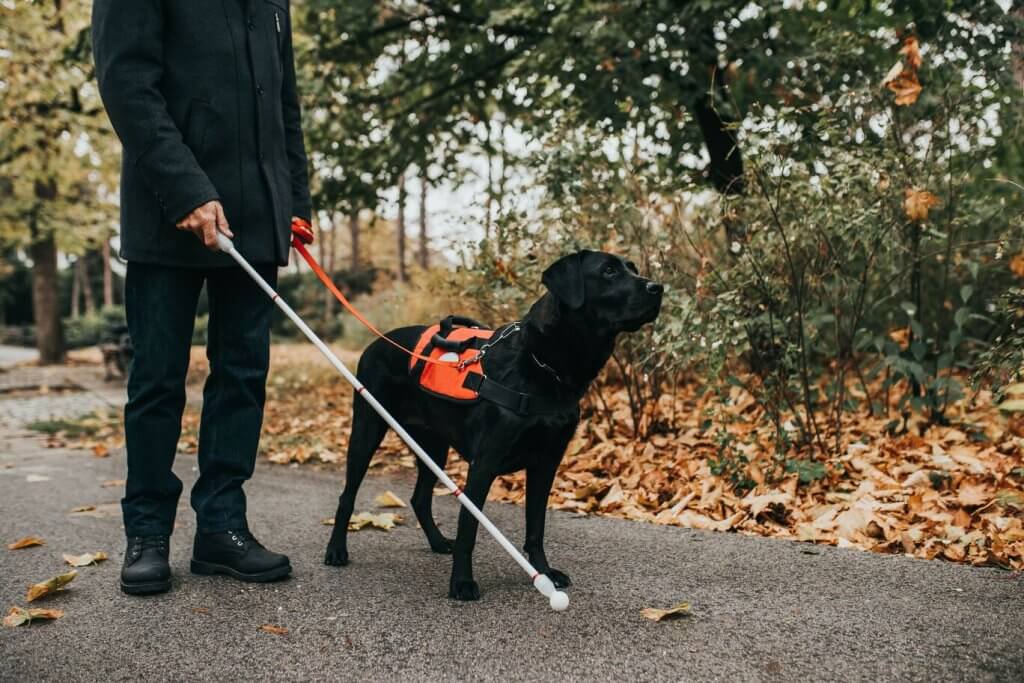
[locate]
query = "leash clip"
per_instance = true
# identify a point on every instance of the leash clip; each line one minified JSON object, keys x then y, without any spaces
{"x":484,"y":348}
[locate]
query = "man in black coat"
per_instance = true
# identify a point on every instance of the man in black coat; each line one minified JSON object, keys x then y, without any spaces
{"x":202,"y":94}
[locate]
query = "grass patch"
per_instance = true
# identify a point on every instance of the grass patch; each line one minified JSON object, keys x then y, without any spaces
{"x":98,"y":425}
{"x":81,"y":427}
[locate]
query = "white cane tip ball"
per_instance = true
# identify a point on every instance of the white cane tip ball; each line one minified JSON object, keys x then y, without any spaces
{"x":559,"y":601}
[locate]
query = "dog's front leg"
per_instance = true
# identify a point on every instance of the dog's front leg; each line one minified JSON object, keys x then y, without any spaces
{"x":539,"y":478}
{"x":462,"y":586}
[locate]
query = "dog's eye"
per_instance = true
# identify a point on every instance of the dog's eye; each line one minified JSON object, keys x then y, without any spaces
{"x":610,"y":269}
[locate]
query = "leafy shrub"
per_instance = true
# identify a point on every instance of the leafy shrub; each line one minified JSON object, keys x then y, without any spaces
{"x":91,"y":330}
{"x":859,"y":270}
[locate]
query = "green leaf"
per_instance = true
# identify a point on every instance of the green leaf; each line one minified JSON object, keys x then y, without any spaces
{"x":807,"y":470}
{"x":962,"y":314}
{"x":965,"y":292}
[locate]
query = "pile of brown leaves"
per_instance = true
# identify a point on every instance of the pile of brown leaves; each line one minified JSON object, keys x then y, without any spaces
{"x":954,"y":492}
{"x":945,"y":493}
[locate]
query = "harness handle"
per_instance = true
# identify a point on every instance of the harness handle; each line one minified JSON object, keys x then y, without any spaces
{"x":298,"y":239}
{"x":441,"y":340}
{"x":447,"y":324}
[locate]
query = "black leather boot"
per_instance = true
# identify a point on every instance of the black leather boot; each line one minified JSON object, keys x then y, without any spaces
{"x":145,"y":567}
{"x":237,"y":554}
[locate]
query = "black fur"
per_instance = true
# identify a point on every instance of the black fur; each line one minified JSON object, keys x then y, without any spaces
{"x":592,"y":298}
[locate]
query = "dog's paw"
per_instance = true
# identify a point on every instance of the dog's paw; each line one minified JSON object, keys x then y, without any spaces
{"x":336,"y":557}
{"x":464,"y":590}
{"x":441,"y":545}
{"x":560,"y":579}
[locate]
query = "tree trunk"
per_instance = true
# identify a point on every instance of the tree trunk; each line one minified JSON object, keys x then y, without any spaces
{"x":1018,"y":54}
{"x":502,"y":179}
{"x":45,"y":302}
{"x":326,"y":245}
{"x":76,"y":287}
{"x":400,"y":229}
{"x":490,"y":183}
{"x":108,"y":275}
{"x":353,"y":233}
{"x":424,"y":255}
{"x":86,"y":285}
{"x":725,"y":168}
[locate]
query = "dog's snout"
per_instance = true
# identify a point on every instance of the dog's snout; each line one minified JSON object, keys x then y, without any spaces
{"x":655,"y":288}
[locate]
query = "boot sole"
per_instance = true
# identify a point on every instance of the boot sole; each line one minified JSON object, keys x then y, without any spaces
{"x":210,"y":568}
{"x":149,"y":588}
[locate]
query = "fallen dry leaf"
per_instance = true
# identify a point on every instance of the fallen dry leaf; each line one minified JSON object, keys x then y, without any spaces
{"x":276,"y":630}
{"x":389,"y":500}
{"x":972,"y":495}
{"x":327,"y":521}
{"x":200,"y":610}
{"x":86,"y":559}
{"x":100,"y":451}
{"x":26,"y":542}
{"x":657,"y":614}
{"x":49,"y":586}
{"x":384,"y":520}
{"x":83,"y":508}
{"x":329,"y":457}
{"x":109,"y":483}
{"x":19,"y":616}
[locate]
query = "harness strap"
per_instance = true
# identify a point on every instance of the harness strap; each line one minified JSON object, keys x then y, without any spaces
{"x":516,"y":401}
{"x":297,"y":243}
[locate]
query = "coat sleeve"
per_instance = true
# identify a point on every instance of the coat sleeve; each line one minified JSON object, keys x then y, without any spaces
{"x":302,"y":205}
{"x":127,"y":46}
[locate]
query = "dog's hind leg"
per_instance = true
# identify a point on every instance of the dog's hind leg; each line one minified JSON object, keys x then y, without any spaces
{"x":423,"y":495}
{"x":368,"y":430}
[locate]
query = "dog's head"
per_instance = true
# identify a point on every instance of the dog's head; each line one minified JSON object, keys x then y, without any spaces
{"x":605,"y":290}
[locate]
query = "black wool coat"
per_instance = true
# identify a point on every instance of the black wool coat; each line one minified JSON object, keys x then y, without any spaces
{"x":202,"y":95}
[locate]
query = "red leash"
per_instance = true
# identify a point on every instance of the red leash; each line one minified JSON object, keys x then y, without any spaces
{"x":302,"y":234}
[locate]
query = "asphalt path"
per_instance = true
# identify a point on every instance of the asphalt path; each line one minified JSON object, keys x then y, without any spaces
{"x":762,"y":609}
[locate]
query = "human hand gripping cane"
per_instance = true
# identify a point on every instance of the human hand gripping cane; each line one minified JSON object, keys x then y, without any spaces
{"x":302,"y":234}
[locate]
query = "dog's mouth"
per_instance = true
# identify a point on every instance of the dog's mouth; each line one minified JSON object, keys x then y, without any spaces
{"x":648,"y":315}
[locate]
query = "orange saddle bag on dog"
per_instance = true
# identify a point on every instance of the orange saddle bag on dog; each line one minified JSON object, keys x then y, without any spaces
{"x":453,"y":340}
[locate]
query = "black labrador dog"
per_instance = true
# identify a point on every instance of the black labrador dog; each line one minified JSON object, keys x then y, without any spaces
{"x":559,"y":348}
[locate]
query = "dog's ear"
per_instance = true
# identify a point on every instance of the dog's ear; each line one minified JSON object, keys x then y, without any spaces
{"x":564,"y":279}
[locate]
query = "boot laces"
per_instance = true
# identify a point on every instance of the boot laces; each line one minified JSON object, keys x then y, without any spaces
{"x":141,"y":543}
{"x":243,"y":537}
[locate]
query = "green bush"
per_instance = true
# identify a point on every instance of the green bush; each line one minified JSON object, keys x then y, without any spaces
{"x":863,"y":268}
{"x":91,"y":330}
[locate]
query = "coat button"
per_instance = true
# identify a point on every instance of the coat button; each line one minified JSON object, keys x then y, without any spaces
{"x":251,"y":25}
{"x":259,"y":88}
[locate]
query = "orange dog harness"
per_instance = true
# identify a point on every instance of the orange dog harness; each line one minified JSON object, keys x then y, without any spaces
{"x":458,"y":349}
{"x":448,"y":362}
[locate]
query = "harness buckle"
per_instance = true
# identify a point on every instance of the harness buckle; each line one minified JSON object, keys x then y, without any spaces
{"x":475,"y":358}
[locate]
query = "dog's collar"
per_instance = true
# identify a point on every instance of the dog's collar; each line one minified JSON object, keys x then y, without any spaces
{"x":544,"y":366}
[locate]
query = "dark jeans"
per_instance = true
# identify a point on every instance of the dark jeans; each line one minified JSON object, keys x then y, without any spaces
{"x":160,"y":303}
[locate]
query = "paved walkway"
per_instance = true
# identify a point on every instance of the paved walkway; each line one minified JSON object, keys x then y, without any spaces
{"x":14,"y":355}
{"x":29,"y":393}
{"x":762,"y":609}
